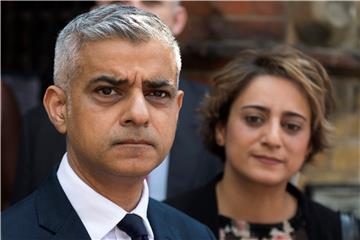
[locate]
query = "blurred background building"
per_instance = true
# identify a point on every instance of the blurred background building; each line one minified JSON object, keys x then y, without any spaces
{"x":217,"y":30}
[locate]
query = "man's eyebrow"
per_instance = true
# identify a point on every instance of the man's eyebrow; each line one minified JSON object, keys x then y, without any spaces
{"x":265,"y":109}
{"x":109,"y":79}
{"x":158,"y":84}
{"x":152,"y":84}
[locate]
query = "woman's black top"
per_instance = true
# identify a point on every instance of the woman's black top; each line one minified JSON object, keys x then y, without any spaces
{"x":232,"y":229}
{"x":312,"y":221}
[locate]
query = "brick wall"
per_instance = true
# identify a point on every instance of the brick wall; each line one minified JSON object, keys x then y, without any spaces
{"x":341,"y":164}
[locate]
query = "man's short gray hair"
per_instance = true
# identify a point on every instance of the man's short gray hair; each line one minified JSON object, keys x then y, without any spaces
{"x":107,"y":22}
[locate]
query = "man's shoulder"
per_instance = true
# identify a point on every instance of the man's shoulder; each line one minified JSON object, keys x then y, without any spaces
{"x":45,"y":213}
{"x":20,"y":221}
{"x":23,"y":209}
{"x":181,"y":224}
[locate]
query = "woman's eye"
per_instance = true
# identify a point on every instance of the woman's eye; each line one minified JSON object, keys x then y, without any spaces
{"x":293,"y":128}
{"x":254,"y":120}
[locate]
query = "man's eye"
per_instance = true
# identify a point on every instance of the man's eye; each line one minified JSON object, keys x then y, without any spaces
{"x":158,"y":94}
{"x":254,"y":120}
{"x":106,"y":91}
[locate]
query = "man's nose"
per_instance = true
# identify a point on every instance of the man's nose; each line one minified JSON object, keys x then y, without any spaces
{"x":272,"y":135}
{"x":136,"y":111}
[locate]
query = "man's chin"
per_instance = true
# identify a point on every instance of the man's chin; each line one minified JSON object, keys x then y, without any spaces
{"x":133,"y":151}
{"x":135,"y":166}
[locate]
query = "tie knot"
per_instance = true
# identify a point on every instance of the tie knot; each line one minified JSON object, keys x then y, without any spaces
{"x":133,"y":226}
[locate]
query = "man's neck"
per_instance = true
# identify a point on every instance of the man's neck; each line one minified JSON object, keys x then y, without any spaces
{"x":123,"y":191}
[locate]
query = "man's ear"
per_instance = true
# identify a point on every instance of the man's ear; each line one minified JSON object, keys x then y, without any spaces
{"x":180,"y":19}
{"x":55,"y":104}
{"x":220,"y":134}
{"x":179,"y":101}
{"x":180,"y":98}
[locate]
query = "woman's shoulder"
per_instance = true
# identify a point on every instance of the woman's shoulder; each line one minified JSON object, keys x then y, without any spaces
{"x":310,"y":207}
{"x":321,"y":221}
{"x":318,"y":211}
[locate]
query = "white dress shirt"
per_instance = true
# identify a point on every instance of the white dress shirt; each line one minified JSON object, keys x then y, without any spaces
{"x":98,"y":214}
{"x":157,"y":180}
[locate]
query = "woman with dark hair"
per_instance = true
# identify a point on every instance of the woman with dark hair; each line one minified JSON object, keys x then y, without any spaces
{"x":266,"y":117}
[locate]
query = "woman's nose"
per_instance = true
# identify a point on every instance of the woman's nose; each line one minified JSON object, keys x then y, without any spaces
{"x":272,"y":135}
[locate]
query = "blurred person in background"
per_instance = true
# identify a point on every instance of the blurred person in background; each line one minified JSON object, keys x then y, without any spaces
{"x":267,"y":116}
{"x":10,"y":136}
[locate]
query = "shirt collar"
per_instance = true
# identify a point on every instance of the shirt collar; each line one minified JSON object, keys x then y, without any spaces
{"x":98,"y":214}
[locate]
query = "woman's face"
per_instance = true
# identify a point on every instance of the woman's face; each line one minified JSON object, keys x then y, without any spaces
{"x":266,"y":137}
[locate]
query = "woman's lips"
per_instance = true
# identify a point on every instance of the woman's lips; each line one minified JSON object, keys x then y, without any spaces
{"x":268,"y":160}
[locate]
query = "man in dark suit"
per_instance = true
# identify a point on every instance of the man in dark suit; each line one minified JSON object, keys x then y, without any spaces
{"x":116,"y":97}
{"x":41,"y":141}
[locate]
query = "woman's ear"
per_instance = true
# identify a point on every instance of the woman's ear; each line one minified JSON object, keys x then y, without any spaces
{"x":220,"y":134}
{"x":309,"y":150}
{"x":55,"y":104}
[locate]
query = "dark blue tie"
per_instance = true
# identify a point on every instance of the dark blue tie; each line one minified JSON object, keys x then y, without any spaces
{"x":133,"y":226}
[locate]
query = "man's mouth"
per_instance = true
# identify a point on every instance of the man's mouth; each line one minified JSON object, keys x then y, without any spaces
{"x":133,"y":142}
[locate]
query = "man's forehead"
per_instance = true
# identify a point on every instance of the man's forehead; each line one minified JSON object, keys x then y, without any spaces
{"x":113,"y":48}
{"x":126,"y":43}
{"x":122,"y":59}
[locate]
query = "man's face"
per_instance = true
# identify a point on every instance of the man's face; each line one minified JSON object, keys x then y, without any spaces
{"x":122,"y":108}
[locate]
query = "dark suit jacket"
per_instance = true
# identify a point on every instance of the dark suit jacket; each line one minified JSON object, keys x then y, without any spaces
{"x":48,"y":214}
{"x":201,"y":204}
{"x":42,"y":147}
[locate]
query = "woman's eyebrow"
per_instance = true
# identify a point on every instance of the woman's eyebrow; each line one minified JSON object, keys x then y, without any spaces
{"x":265,"y":109}
{"x":258,"y":107}
{"x":294,"y":114}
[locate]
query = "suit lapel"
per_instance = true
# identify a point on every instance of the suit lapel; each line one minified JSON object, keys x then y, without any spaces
{"x":158,"y":220}
{"x":56,"y":214}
